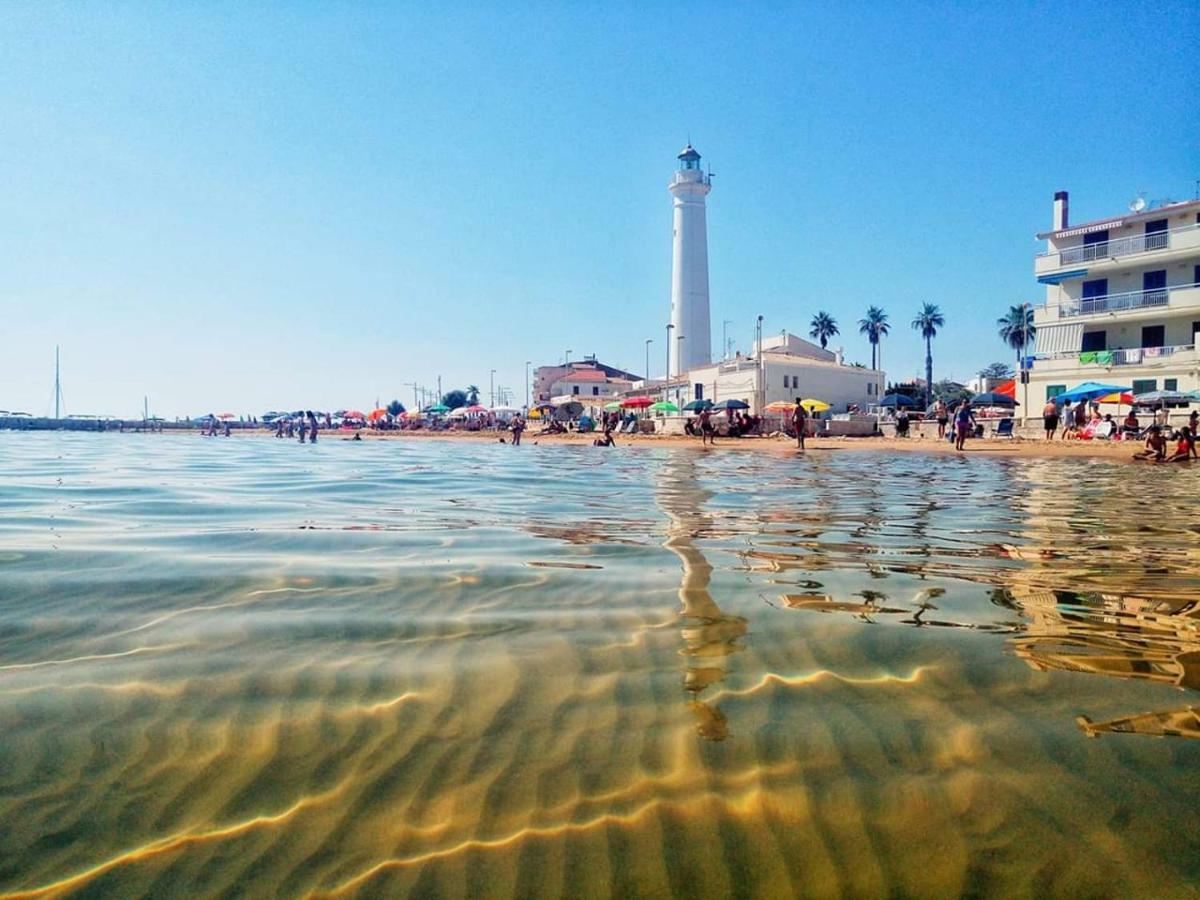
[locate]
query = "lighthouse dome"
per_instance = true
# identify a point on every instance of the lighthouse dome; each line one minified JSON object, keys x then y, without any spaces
{"x":689,"y":158}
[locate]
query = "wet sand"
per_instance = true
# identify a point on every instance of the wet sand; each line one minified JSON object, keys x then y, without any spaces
{"x":1119,"y":451}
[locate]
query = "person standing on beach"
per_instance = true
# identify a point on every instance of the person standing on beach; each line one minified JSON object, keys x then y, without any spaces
{"x":942,"y":414}
{"x":964,"y":421}
{"x":1050,"y":418}
{"x":706,"y":427}
{"x":518,"y":426}
{"x":303,"y":427}
{"x":1068,"y":418}
{"x":800,"y":422}
{"x":312,"y":427}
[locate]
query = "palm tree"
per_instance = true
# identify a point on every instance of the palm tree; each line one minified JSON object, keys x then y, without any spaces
{"x":874,"y":326}
{"x":824,"y":326}
{"x":472,"y":394}
{"x":928,"y":321}
{"x":1017,"y":329}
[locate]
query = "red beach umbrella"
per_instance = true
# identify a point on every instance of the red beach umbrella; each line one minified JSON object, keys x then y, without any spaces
{"x":637,"y":402}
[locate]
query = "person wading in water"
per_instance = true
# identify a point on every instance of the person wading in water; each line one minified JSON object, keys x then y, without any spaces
{"x":800,"y":422}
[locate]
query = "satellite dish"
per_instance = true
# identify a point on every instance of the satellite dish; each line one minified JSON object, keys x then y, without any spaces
{"x":1138,"y":204}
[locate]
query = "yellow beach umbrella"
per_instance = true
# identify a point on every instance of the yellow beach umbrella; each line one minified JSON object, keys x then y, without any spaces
{"x":815,"y":405}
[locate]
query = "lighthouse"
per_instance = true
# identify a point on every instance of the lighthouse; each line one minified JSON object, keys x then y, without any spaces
{"x":690,"y":344}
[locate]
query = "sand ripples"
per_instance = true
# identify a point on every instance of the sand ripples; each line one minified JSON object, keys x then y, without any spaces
{"x":251,"y":669}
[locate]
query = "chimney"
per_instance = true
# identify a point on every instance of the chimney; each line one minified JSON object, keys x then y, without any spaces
{"x":1060,"y":210}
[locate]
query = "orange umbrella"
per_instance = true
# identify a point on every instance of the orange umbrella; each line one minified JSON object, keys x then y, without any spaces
{"x":376,"y":415}
{"x":353,"y":414}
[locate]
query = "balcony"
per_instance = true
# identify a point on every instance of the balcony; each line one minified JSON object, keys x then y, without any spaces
{"x":1176,"y":296}
{"x":1179,"y":243}
{"x":1076,"y":363}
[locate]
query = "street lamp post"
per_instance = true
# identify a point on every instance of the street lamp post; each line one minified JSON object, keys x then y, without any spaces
{"x":528,"y":399}
{"x":567,"y":359}
{"x":760,"y":393}
{"x":1021,"y":372}
{"x":678,"y":356}
{"x":725,"y":338}
{"x":649,"y":341}
{"x":667,"y":376}
{"x":492,"y":385}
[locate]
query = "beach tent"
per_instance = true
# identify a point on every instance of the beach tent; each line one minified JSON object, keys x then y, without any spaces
{"x":1089,"y":390}
{"x":664,"y":406}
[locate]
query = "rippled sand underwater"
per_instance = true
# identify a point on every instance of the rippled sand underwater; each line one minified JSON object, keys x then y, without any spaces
{"x":252,"y":668}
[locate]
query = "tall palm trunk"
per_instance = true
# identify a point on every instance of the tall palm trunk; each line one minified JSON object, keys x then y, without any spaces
{"x":928,"y":369}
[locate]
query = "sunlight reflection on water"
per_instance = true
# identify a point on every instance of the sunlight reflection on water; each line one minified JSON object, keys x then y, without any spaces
{"x":419,"y":667}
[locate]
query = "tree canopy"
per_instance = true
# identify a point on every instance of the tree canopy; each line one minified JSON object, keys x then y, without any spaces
{"x":824,"y":326}
{"x":997,"y":370}
{"x":454,"y":399}
{"x":395,"y":407}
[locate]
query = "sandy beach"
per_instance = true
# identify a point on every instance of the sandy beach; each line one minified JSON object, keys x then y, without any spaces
{"x":1012,"y":447}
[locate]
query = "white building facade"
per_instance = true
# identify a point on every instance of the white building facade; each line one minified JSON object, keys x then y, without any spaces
{"x":690,"y":339}
{"x":1122,"y":301}
{"x":789,"y":368}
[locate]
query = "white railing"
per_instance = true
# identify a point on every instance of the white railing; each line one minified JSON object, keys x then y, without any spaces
{"x":1130,"y":356}
{"x":1135,"y":243}
{"x":1116,"y":302}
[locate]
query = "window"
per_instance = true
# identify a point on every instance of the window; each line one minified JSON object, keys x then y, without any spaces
{"x":574,"y":389}
{"x":1053,"y":390}
{"x":1170,"y":384}
{"x":595,"y":392}
{"x":1154,"y":281}
{"x":1156,"y":234}
{"x":1153,"y":335}
{"x":1145,"y":385}
{"x":1094,"y":340}
{"x":699,"y":391}
{"x":1097,"y":287}
{"x":1196,"y":275}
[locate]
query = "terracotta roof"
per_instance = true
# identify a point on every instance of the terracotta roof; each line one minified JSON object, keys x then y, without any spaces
{"x":585,"y":375}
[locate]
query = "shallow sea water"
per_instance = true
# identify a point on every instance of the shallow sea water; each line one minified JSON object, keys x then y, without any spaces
{"x":251,"y":668}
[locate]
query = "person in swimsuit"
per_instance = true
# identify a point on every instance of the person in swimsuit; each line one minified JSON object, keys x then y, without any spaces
{"x":1050,"y":418}
{"x":1156,"y":445}
{"x":706,"y":427}
{"x":942,"y":414}
{"x":518,"y":426}
{"x":964,"y":421}
{"x":1185,"y":446}
{"x":800,"y":422}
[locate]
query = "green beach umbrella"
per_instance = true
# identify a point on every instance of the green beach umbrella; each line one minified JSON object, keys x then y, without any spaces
{"x":664,"y":406}
{"x":437,"y":408}
{"x":614,"y":405}
{"x":697,"y":405}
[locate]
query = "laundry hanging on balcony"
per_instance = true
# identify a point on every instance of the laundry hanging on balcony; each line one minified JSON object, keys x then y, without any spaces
{"x":1096,"y":357}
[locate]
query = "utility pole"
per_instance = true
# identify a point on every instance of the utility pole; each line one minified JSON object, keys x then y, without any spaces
{"x":413,"y":385}
{"x":649,"y":341}
{"x":725,"y":338}
{"x":145,"y":408}
{"x":567,"y":359}
{"x":440,"y":394}
{"x":760,"y":394}
{"x":492,"y":384}
{"x":528,"y":398}
{"x":57,"y":384}
{"x":1021,"y":371}
{"x":678,"y":356}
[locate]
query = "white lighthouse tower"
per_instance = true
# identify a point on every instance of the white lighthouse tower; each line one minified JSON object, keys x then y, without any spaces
{"x":690,"y":344}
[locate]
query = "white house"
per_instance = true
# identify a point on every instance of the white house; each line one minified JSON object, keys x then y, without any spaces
{"x":1122,"y":301}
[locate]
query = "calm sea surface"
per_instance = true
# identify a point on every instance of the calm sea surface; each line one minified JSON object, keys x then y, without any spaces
{"x":249,"y":667}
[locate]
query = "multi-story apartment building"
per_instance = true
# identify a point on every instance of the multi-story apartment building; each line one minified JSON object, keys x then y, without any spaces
{"x":1122,"y":301}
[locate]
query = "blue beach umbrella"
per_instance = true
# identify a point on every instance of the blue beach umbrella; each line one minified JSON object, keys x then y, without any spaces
{"x":1089,"y":390}
{"x":898,"y":400}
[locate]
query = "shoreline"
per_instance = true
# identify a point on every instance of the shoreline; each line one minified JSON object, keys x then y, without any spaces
{"x":1117,"y":451}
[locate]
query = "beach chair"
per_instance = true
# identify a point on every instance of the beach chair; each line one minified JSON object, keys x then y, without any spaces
{"x":1004,"y":428}
{"x":1104,"y":431}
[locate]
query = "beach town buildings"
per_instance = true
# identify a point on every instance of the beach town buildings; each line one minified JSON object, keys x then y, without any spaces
{"x":585,"y":380}
{"x":788,"y":368}
{"x":1122,"y":301}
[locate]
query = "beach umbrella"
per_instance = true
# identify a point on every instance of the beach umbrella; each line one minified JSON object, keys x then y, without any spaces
{"x":815,"y":405}
{"x":376,"y":415}
{"x":1089,"y":390}
{"x":1153,"y":397}
{"x":474,"y":408}
{"x":898,"y":400}
{"x":612,"y":406}
{"x":664,"y":406}
{"x":637,"y":402}
{"x":993,"y":398}
{"x":535,"y":413}
{"x":779,"y":406}
{"x":730,"y":405}
{"x":1117,"y":397}
{"x":544,"y":406}
{"x":697,"y":405}
{"x":437,"y":408}
{"x":353,"y":414}
{"x":226,"y":416}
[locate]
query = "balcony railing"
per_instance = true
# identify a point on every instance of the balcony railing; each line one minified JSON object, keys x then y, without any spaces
{"x":1131,"y":356}
{"x":1135,"y":243}
{"x":1114,"y":302}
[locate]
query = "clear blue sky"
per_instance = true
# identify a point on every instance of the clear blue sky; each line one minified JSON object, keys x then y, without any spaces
{"x":249,"y":206}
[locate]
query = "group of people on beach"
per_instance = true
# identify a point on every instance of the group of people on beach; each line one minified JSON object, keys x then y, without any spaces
{"x":1155,"y":448}
{"x":1083,"y":421}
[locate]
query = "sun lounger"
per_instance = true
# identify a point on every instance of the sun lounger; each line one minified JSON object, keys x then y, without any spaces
{"x":1004,"y":428}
